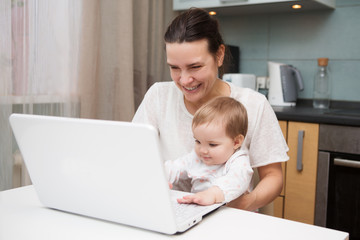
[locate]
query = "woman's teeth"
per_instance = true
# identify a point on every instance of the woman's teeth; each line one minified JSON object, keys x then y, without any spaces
{"x":192,"y":88}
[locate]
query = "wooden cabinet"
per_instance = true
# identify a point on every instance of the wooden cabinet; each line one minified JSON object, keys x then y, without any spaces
{"x":276,"y":208}
{"x":297,"y":199}
{"x":283,"y":126}
{"x":279,"y":201}
{"x":300,"y":186}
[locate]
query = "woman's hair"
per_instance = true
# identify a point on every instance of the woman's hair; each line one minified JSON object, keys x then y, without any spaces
{"x":226,"y":111}
{"x":193,"y":25}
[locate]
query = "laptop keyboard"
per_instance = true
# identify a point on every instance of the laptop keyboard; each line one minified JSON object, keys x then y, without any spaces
{"x":185,"y":211}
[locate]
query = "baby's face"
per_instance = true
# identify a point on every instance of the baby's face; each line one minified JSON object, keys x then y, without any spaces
{"x":212,"y":145}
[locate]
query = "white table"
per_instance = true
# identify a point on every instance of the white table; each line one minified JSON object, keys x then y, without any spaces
{"x":22,"y":216}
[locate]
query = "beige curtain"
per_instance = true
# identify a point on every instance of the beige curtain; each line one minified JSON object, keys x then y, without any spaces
{"x":149,"y":56}
{"x":121,"y":55}
{"x":84,"y":58}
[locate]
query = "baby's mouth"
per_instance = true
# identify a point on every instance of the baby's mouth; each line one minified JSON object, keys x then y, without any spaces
{"x":206,"y":158}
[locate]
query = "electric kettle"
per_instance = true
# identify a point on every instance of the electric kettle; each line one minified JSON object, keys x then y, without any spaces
{"x":284,"y":83}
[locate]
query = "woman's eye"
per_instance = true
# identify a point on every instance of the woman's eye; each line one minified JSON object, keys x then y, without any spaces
{"x":195,"y":67}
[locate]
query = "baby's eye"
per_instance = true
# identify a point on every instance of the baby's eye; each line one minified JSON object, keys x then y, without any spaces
{"x":197,"y":141}
{"x":213,"y":144}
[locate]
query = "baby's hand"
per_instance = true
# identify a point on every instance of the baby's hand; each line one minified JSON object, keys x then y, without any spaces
{"x":207,"y":197}
{"x":199,"y":198}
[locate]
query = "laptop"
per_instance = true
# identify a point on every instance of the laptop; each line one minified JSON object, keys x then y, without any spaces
{"x":110,"y":170}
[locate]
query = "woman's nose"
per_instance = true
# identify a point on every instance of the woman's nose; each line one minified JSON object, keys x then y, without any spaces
{"x":186,"y":78}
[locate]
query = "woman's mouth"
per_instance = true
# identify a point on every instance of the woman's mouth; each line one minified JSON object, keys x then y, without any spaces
{"x":191,"y":88}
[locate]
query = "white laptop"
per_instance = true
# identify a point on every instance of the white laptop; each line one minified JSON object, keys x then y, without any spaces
{"x":109,"y":170}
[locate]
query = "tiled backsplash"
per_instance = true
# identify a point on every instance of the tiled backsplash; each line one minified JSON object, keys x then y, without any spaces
{"x":299,"y":39}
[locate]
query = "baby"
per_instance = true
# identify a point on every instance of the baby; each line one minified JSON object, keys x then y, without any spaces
{"x":219,"y":170}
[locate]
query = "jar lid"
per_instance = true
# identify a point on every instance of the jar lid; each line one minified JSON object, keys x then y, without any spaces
{"x":323,"y":61}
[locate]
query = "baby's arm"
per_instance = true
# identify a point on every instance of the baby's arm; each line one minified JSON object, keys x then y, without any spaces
{"x":237,"y":179}
{"x":208,"y":197}
{"x":176,"y":169}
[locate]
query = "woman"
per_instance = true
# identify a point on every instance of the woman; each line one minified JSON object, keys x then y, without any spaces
{"x":195,"y":52}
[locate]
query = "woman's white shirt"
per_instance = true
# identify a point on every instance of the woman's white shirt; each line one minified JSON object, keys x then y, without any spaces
{"x":163,"y":107}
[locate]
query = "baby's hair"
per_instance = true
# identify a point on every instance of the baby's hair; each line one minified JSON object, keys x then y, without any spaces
{"x":223,"y":110}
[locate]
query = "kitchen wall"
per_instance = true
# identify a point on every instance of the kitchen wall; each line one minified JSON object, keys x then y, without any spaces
{"x":299,"y":39}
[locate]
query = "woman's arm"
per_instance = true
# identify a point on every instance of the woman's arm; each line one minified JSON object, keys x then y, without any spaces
{"x":269,"y":187}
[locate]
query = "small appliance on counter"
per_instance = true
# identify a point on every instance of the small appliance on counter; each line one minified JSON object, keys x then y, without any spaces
{"x":284,"y":83}
{"x":262,"y":85}
{"x":241,"y":79}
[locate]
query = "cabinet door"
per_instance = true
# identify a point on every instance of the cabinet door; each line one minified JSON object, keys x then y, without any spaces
{"x":283,"y":126}
{"x":276,"y":208}
{"x":279,"y":201}
{"x":279,"y":207}
{"x":301,"y":183}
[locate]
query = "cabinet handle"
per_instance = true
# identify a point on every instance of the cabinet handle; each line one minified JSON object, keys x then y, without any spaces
{"x":299,"y":164}
{"x":347,"y":163}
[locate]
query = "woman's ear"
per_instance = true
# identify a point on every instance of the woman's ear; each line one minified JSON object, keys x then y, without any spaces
{"x":220,"y":55}
{"x":238,"y":140}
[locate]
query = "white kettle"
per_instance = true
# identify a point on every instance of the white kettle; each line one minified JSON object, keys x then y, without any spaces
{"x":284,"y":83}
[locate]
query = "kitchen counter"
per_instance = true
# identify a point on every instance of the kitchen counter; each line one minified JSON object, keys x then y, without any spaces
{"x":341,"y":113}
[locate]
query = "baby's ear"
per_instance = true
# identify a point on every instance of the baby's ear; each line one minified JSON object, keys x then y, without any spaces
{"x":238,"y":140}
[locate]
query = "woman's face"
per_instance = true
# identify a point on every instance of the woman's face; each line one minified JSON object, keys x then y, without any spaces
{"x":194,"y":69}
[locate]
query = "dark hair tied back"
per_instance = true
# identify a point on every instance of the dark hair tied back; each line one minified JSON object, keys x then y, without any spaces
{"x":193,"y":25}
